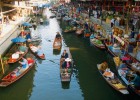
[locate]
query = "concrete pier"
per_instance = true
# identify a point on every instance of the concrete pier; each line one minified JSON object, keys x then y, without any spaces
{"x":12,"y":31}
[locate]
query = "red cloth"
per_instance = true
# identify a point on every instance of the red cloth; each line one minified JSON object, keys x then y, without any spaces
{"x":30,"y":61}
{"x":125,"y":58}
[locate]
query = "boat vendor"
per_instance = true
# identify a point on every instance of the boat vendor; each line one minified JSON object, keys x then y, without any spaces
{"x":22,"y":48}
{"x":103,"y":66}
{"x":58,"y":36}
{"x":24,"y":65}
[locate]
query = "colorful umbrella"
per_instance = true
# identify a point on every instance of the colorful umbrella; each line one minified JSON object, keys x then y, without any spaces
{"x":26,"y":24}
{"x":18,"y":40}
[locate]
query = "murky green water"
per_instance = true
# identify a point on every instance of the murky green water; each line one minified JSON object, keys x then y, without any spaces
{"x":43,"y":81}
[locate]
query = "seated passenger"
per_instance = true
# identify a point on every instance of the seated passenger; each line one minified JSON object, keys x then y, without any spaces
{"x":65,"y":54}
{"x":24,"y":65}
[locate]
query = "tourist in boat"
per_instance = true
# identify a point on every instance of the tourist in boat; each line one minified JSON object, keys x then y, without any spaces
{"x":65,"y":54}
{"x":66,"y":63}
{"x":24,"y":65}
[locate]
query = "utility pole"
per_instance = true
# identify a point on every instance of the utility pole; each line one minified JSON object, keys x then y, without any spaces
{"x":1,"y":15}
{"x":101,"y":11}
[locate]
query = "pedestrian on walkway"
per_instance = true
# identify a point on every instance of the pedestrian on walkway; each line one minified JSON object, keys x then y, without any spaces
{"x":34,"y":25}
{"x":112,"y":22}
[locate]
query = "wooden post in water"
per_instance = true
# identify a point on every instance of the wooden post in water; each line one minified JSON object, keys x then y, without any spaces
{"x":1,"y":64}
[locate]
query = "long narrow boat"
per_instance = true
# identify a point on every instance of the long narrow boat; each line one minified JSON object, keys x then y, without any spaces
{"x":97,"y":43}
{"x":11,"y":60}
{"x":57,"y":44}
{"x":132,"y":62}
{"x":114,"y":82}
{"x":132,"y":57}
{"x":71,"y":30}
{"x":66,"y":75}
{"x":125,"y":74}
{"x":110,"y":50}
{"x":79,"y":32}
{"x":87,"y":35}
{"x":10,"y":78}
{"x":41,"y":57}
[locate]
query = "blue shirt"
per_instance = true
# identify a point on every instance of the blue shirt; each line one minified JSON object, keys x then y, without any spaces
{"x":24,"y":63}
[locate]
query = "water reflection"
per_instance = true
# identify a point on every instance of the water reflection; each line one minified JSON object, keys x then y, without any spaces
{"x":65,"y":85}
{"x":56,"y":52}
{"x":20,"y":90}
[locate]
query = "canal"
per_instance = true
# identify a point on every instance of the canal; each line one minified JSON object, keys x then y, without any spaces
{"x":43,"y":81}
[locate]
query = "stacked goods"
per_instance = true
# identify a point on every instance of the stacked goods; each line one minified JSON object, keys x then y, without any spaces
{"x":119,"y":86}
{"x":117,"y":61}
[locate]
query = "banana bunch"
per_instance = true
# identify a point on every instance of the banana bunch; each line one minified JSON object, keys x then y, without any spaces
{"x":119,"y":86}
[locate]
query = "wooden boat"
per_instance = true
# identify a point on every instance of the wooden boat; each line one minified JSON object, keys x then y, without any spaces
{"x":97,"y":43}
{"x":127,"y":76}
{"x":114,"y":82}
{"x":57,"y":44}
{"x":133,"y":58}
{"x":11,"y":60}
{"x":71,"y":30}
{"x":79,"y":32}
{"x":9,"y":79}
{"x":106,"y":43}
{"x":66,"y":76}
{"x":87,"y":35}
{"x":132,"y":62}
{"x":41,"y":57}
{"x":110,"y":50}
